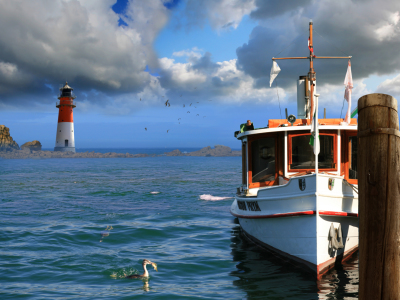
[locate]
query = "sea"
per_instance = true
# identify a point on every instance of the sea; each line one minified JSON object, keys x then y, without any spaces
{"x":74,"y":228}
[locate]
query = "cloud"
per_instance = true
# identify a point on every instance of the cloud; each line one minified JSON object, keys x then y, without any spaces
{"x":48,"y":42}
{"x":390,"y":87}
{"x":366,"y":30}
{"x":271,"y":8}
{"x":202,"y":78}
{"x":221,"y":14}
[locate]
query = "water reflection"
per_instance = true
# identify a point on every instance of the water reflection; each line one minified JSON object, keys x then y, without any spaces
{"x":262,"y":275}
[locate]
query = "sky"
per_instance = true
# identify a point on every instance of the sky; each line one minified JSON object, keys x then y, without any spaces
{"x":210,"y":59}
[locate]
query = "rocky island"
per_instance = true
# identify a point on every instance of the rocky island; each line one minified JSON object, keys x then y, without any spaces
{"x":9,"y":149}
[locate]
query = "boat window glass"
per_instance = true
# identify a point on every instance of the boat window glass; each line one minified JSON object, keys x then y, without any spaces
{"x":244,"y":163}
{"x":353,"y":158}
{"x":302,"y":154}
{"x":263,"y":159}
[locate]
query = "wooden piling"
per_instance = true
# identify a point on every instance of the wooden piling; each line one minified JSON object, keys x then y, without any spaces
{"x":379,"y":199}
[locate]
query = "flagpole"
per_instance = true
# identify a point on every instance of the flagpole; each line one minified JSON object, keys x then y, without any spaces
{"x":316,"y":141}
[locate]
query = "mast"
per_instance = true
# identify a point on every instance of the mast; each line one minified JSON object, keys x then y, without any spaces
{"x":311,"y":73}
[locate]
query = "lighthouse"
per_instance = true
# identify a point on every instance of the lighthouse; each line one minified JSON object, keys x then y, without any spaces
{"x":65,"y":140}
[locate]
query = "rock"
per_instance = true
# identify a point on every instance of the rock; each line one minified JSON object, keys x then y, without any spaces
{"x":6,"y":141}
{"x":217,"y":151}
{"x":34,"y":145}
{"x":176,"y":152}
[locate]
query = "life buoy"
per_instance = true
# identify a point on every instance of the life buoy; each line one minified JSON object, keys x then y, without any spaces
{"x":335,"y":237}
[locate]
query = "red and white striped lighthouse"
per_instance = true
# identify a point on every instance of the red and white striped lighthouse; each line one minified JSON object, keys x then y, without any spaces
{"x":65,"y":140}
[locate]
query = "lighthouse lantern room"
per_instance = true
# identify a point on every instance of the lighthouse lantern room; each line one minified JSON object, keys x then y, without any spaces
{"x":65,"y":140}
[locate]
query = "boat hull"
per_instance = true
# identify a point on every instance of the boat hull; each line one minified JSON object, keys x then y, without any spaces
{"x":298,"y":225}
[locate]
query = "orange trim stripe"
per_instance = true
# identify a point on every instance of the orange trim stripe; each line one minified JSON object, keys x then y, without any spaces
{"x":299,"y":213}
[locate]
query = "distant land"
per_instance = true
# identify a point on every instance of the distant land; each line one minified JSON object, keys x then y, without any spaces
{"x":217,"y":151}
{"x":9,"y":149}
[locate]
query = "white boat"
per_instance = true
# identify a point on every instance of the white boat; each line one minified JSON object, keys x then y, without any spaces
{"x":287,"y":205}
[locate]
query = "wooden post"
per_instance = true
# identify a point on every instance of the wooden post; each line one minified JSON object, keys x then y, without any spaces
{"x":379,"y":199}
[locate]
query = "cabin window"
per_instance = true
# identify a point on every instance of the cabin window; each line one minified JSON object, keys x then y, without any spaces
{"x":349,"y":161}
{"x":301,"y":153}
{"x":262,"y":167}
{"x":244,"y":164}
{"x":353,"y":158}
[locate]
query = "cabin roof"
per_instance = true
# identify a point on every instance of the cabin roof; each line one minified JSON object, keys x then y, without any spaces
{"x":300,"y":125}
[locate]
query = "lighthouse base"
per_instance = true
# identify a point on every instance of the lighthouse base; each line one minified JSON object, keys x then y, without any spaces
{"x":64,"y":149}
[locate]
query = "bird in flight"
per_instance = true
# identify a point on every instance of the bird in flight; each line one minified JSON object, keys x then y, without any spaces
{"x":167,"y":130}
{"x":183,"y":105}
{"x":190,"y":104}
{"x":180,"y":96}
{"x":179,"y":119}
{"x":197,"y":115}
{"x":145,"y":128}
{"x":140,"y":99}
{"x":188,"y":112}
{"x":167,"y":103}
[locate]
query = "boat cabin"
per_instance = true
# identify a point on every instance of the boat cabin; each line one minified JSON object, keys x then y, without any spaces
{"x":272,"y":155}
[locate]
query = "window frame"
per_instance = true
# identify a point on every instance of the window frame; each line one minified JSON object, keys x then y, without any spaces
{"x":302,"y":133}
{"x":250,"y":140}
{"x":347,"y":155}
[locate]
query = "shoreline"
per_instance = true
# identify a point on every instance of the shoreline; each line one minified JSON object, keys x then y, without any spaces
{"x":217,"y":151}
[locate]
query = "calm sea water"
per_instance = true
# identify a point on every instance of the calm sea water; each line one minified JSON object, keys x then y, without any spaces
{"x":165,"y":209}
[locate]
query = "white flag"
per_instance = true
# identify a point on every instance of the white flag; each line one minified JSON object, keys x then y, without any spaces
{"x":274,"y":72}
{"x":348,"y":82}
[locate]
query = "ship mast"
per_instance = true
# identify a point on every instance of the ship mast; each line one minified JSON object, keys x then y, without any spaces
{"x":311,"y":73}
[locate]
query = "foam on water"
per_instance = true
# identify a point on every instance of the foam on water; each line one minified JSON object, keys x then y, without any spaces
{"x":209,"y":197}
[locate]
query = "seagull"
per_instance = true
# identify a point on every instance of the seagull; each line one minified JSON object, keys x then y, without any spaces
{"x":146,"y":273}
{"x":166,"y":102}
{"x":145,"y":128}
{"x":167,"y":130}
{"x":197,"y":115}
{"x":188,"y":112}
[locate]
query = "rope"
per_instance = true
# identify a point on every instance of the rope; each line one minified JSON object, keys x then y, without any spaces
{"x":355,"y":189}
{"x":330,"y":43}
{"x":342,"y":109}
{"x":285,"y":48}
{"x":279,"y":102}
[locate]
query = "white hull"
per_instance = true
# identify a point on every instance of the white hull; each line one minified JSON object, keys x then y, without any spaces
{"x":296,"y":222}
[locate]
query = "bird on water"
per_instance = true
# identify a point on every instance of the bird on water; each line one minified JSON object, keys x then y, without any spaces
{"x":146,"y":273}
